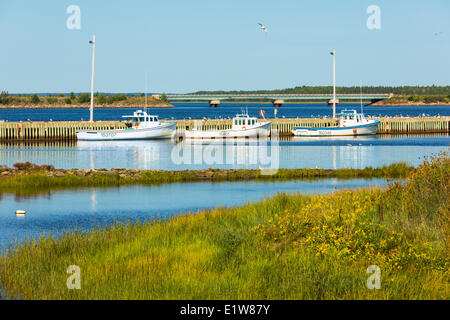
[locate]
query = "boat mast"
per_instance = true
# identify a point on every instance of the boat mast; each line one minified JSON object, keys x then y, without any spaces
{"x":91,"y":109}
{"x":333,"y":53}
{"x":145,"y":93}
{"x":360,"y":95}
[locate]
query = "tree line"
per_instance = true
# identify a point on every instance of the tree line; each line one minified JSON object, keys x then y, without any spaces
{"x":399,"y":90}
{"x":72,"y":98}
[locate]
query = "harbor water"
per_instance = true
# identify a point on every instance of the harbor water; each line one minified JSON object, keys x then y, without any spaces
{"x":299,"y":152}
{"x":226,"y":110}
{"x":56,"y":212}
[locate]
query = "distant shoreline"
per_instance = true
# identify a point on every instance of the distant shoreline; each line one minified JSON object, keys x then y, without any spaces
{"x":71,"y":106}
{"x":377,"y":104}
{"x":168,"y":105}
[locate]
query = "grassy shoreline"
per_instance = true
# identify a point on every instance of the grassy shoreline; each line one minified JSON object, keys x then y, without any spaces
{"x":285,"y":247}
{"x":28,"y":177}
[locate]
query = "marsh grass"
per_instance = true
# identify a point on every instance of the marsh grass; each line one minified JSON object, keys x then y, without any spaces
{"x":35,"y":179}
{"x":286,"y":247}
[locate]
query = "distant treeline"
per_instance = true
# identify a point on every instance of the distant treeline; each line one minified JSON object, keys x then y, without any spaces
{"x":72,"y":98}
{"x":403,"y":90}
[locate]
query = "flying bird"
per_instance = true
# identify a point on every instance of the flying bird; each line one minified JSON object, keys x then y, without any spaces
{"x":263,"y":27}
{"x":438,"y":33}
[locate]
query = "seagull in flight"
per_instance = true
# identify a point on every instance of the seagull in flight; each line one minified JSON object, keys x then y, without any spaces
{"x":263,"y":27}
{"x":438,"y":33}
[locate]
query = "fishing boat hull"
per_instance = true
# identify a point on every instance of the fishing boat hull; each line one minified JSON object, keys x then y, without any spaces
{"x":365,"y":129}
{"x":162,"y":131}
{"x":260,"y":130}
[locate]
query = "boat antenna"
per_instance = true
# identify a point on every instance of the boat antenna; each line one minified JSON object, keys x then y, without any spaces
{"x":145,"y":93}
{"x":360,"y":95}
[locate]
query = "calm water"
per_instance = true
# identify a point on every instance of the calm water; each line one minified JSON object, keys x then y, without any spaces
{"x":201,"y":110}
{"x":55,"y":212}
{"x":298,"y":152}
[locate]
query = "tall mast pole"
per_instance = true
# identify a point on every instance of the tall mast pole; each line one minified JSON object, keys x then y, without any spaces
{"x":333,"y":53}
{"x":92,"y":79}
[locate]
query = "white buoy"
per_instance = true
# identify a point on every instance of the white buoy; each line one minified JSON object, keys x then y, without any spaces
{"x":20,"y":212}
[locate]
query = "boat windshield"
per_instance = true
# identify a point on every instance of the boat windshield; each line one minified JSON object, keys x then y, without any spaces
{"x":244,"y":121}
{"x":138,"y":119}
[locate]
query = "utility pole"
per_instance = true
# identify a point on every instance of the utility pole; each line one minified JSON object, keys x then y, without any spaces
{"x":92,"y":79}
{"x":333,"y":53}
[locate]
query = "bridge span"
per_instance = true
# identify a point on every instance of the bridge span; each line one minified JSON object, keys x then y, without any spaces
{"x":276,"y":99}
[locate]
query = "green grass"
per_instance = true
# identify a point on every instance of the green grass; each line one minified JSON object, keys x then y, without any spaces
{"x":286,"y":247}
{"x":38,"y":179}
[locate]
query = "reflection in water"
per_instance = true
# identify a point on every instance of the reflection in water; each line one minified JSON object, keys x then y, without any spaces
{"x":145,"y":153}
{"x":295,"y":152}
{"x":334,"y":156}
{"x":55,"y":212}
{"x":94,"y":200}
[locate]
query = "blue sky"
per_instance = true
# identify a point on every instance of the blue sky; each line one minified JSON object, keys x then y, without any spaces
{"x":186,"y":46}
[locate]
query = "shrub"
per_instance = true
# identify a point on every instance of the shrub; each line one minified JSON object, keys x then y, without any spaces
{"x":29,"y":166}
{"x":51,"y":100}
{"x":4,"y":97}
{"x":84,"y":98}
{"x":101,"y":99}
{"x":24,"y":165}
{"x":114,"y":98}
{"x":35,"y":99}
{"x":414,"y":98}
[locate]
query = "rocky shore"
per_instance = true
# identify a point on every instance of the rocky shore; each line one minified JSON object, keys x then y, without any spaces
{"x":29,"y":177}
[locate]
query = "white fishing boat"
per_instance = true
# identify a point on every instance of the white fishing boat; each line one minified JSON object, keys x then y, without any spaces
{"x":141,"y":126}
{"x":351,"y":123}
{"x":243,"y":126}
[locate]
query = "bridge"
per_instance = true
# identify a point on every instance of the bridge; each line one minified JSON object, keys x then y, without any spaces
{"x":276,"y":99}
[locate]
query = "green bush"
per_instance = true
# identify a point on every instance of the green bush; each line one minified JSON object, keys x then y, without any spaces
{"x":101,"y":99}
{"x":114,"y":98}
{"x":414,"y":98}
{"x":84,"y":98}
{"x":51,"y":100}
{"x":35,"y":99}
{"x":4,"y":97}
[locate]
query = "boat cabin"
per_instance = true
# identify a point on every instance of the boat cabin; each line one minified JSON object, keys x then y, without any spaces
{"x":140,"y":119}
{"x":244,"y":121}
{"x":349,"y":118}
